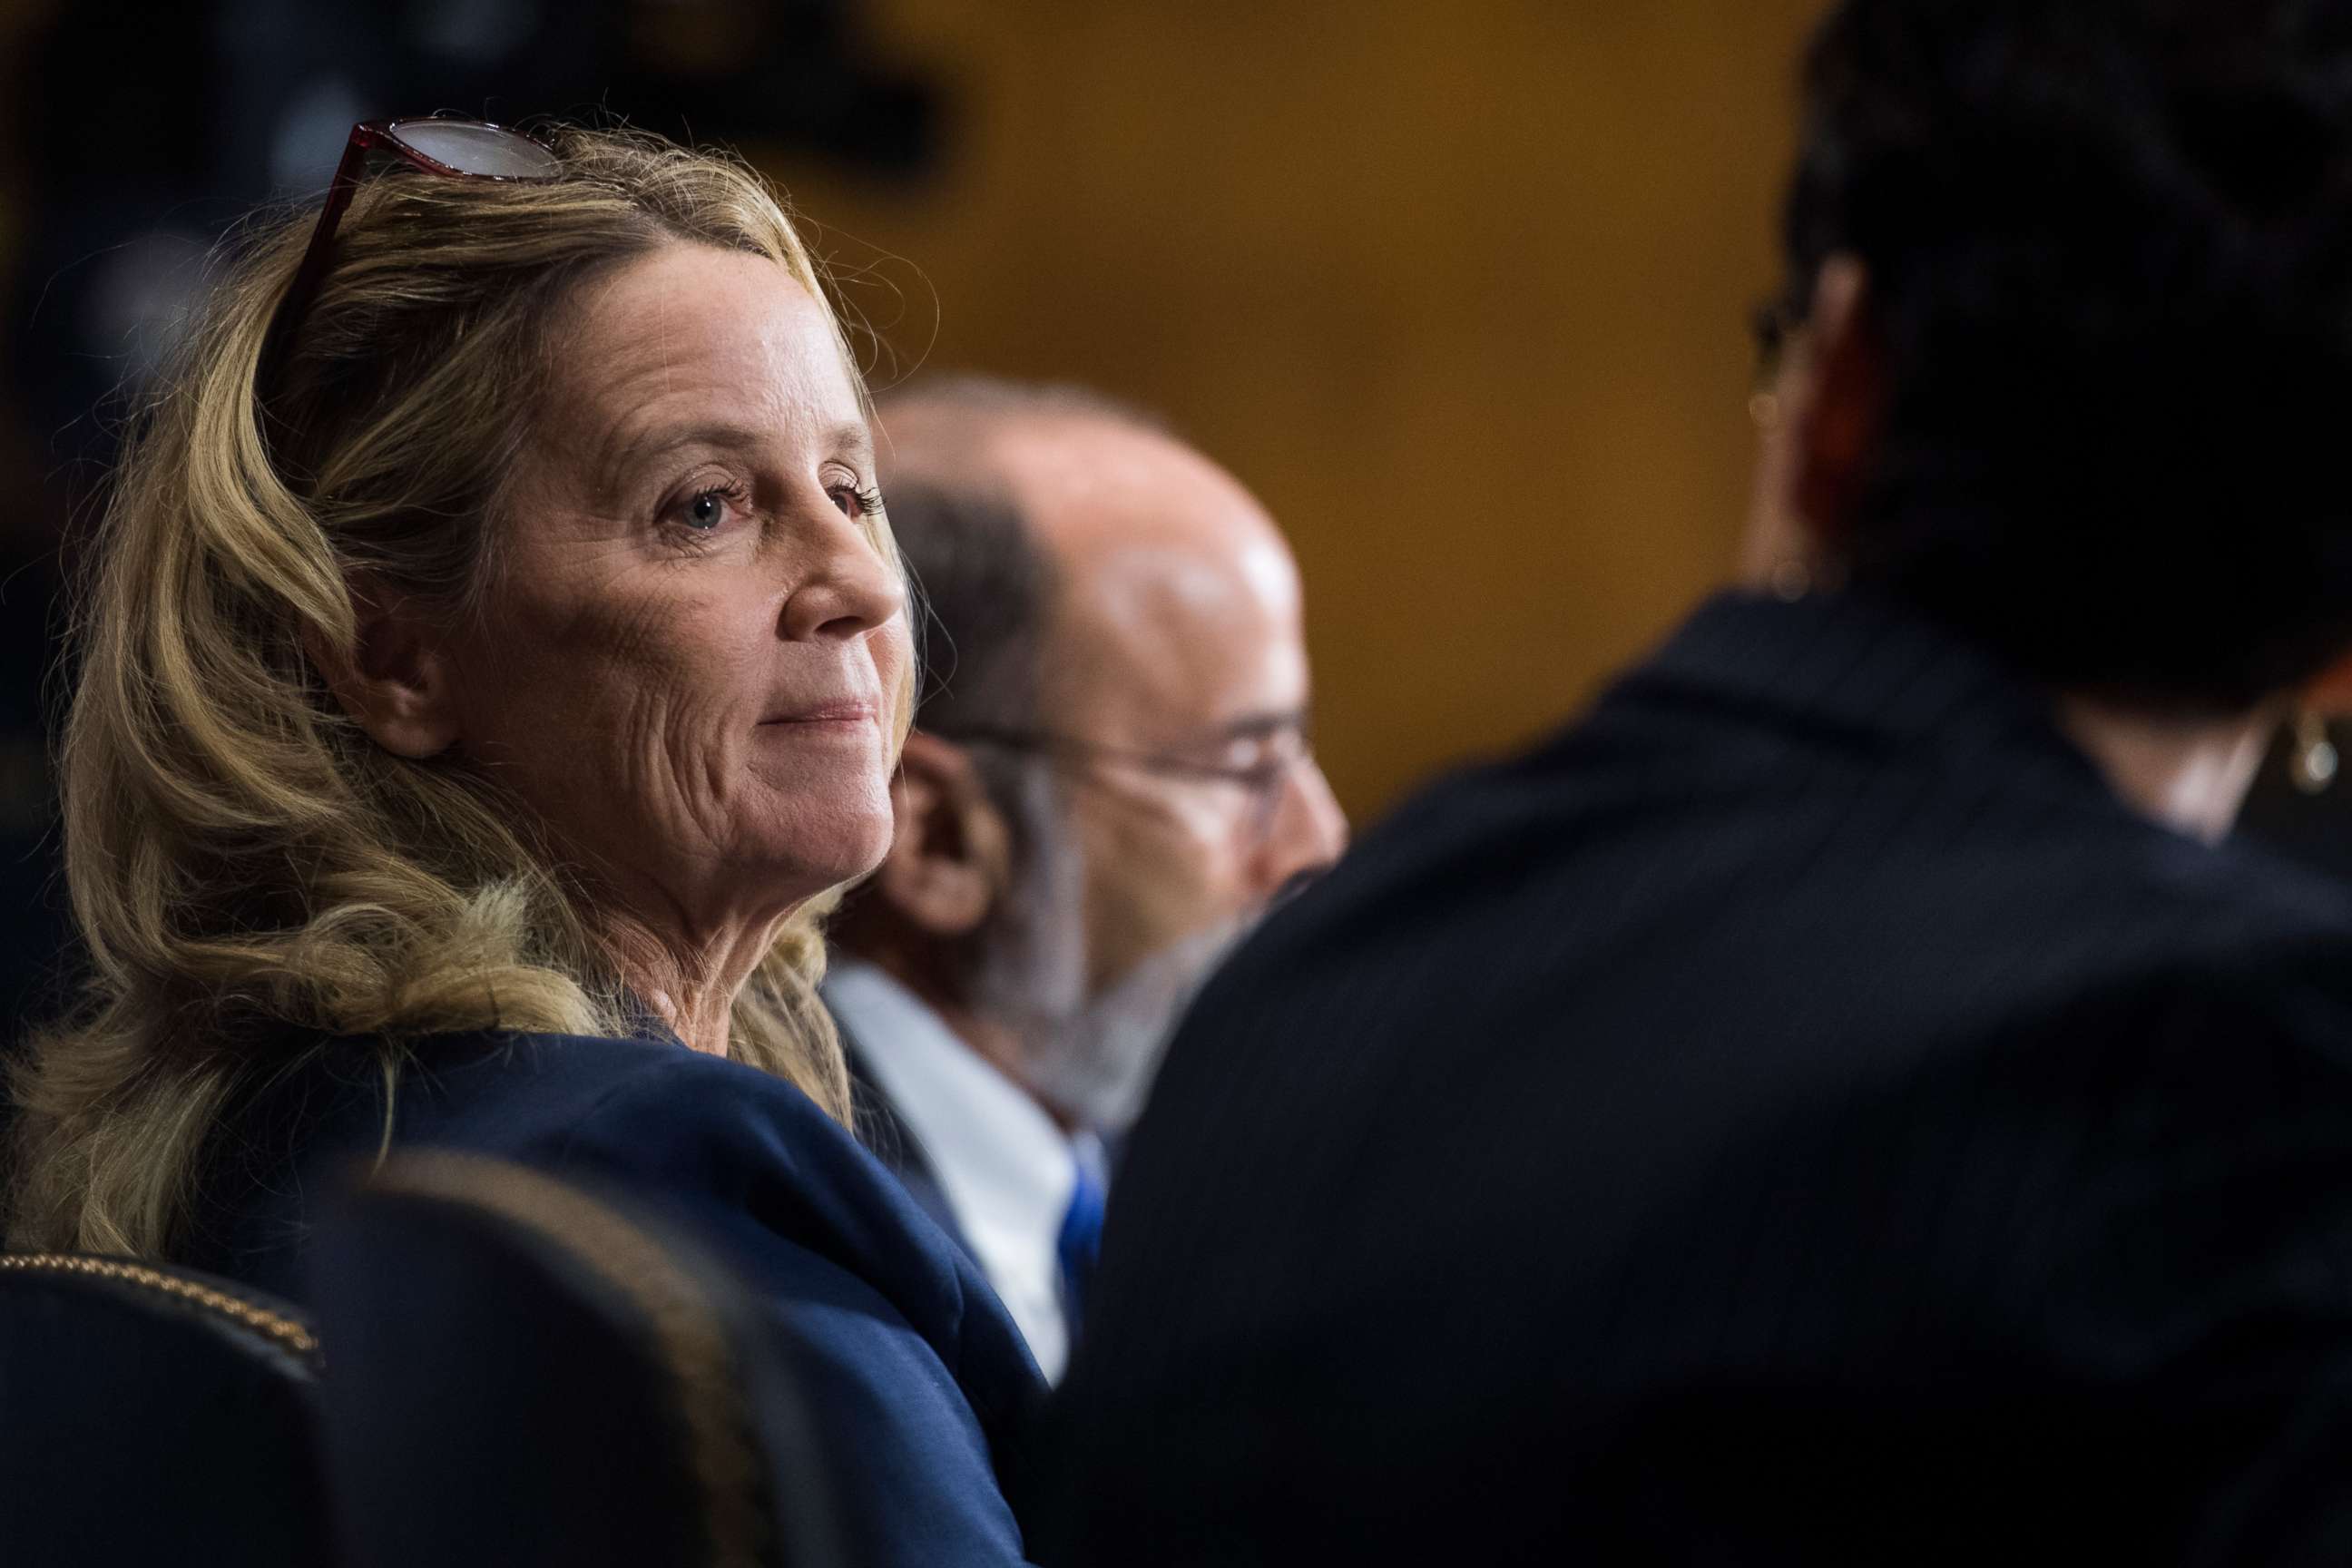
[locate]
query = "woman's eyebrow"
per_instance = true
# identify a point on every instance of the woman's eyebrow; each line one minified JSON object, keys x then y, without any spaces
{"x":626,"y":450}
{"x":855,"y":439}
{"x":850,"y":438}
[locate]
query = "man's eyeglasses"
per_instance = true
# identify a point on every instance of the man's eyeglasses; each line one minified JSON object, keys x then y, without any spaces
{"x":451,"y":146}
{"x":1287,"y":747}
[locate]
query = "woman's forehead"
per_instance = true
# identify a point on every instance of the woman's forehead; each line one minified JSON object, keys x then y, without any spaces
{"x":703,"y":335}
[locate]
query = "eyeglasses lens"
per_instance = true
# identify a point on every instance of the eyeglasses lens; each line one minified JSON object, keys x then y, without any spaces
{"x":479,"y":150}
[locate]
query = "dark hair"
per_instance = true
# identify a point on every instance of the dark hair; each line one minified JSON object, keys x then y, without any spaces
{"x":2109,"y":245}
{"x":984,"y":589}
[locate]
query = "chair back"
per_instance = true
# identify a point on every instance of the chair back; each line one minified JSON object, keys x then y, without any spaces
{"x":154,"y":1414}
{"x":530,"y":1373}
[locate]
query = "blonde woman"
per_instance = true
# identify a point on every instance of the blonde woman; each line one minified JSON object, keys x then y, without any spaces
{"x":495,"y":660}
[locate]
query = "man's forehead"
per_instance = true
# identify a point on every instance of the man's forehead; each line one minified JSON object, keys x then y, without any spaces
{"x":1132,"y":515}
{"x":1191,"y":628}
{"x":1174,"y":593}
{"x":1075,"y":471}
{"x":1186,"y":581}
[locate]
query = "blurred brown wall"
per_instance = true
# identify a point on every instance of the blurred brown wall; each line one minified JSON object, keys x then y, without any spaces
{"x":1461,"y":288}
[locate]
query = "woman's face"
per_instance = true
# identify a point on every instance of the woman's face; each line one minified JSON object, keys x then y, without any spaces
{"x":692,"y":648}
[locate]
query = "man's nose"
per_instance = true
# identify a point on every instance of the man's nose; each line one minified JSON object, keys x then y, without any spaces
{"x":1309,"y":830}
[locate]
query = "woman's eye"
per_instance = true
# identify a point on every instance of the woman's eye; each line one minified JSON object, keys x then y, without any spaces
{"x":854,"y":502}
{"x":707,"y":510}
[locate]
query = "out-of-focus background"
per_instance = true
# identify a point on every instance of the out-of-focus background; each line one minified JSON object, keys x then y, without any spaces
{"x":1462,"y":289}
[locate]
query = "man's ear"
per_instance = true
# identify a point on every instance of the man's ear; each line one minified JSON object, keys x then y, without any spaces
{"x":396,"y":680}
{"x":952,"y":856}
{"x":1836,"y":424}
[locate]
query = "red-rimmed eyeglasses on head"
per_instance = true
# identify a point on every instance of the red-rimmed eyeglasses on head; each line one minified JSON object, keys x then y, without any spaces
{"x":448,"y":145}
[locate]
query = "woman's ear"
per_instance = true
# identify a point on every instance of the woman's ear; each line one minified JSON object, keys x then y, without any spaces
{"x":951,"y":857}
{"x":396,"y":682}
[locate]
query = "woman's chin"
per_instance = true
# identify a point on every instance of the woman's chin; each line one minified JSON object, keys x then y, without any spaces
{"x":823,"y":849}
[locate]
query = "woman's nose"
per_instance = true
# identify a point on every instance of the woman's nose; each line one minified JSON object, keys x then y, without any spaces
{"x":852,"y":590}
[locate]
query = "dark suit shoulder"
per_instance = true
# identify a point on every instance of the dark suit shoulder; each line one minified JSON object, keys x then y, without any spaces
{"x":884,"y":1130}
{"x":1805,"y":1067}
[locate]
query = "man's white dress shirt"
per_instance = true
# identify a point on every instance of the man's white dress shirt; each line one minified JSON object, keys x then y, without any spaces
{"x":1007,"y":1169}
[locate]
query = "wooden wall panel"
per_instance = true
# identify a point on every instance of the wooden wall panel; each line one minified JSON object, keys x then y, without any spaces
{"x":1461,"y":288}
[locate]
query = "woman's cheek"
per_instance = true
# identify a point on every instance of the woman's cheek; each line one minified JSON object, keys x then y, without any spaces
{"x":894,"y":656}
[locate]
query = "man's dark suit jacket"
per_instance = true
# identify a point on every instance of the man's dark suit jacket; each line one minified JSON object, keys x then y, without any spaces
{"x":1798,"y":1115}
{"x":919,"y":1380}
{"x":883,"y":1129}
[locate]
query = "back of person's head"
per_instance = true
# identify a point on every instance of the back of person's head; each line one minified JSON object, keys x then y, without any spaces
{"x":245,"y":863}
{"x":2108,"y":252}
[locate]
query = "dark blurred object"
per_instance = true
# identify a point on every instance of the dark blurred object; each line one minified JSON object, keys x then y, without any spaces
{"x":526,"y":1375}
{"x":1798,"y":1115}
{"x":2311,"y":826}
{"x":152,"y":128}
{"x":34,"y":925}
{"x":152,"y":1415}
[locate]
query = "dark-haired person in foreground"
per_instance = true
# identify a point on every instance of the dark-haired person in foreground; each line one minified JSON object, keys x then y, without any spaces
{"x":1109,"y":778}
{"x":1841,"y":1102}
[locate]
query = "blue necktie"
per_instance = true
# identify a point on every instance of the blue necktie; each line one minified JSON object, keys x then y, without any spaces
{"x":1079,"y":1243}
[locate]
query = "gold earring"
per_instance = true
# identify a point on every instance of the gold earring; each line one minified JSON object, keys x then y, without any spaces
{"x":2314,"y":767}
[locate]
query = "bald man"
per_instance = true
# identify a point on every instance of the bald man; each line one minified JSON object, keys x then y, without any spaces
{"x":1109,"y":779}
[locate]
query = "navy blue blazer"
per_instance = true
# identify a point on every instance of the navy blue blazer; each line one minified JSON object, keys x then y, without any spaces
{"x":915,"y":1368}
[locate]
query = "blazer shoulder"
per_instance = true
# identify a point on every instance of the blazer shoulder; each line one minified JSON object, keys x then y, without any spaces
{"x":648,"y":1108}
{"x":659,"y":1116}
{"x":919,"y":1370}
{"x":736,"y":1151}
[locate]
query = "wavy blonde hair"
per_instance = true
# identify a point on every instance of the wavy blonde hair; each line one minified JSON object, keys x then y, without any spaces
{"x":251,"y":874}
